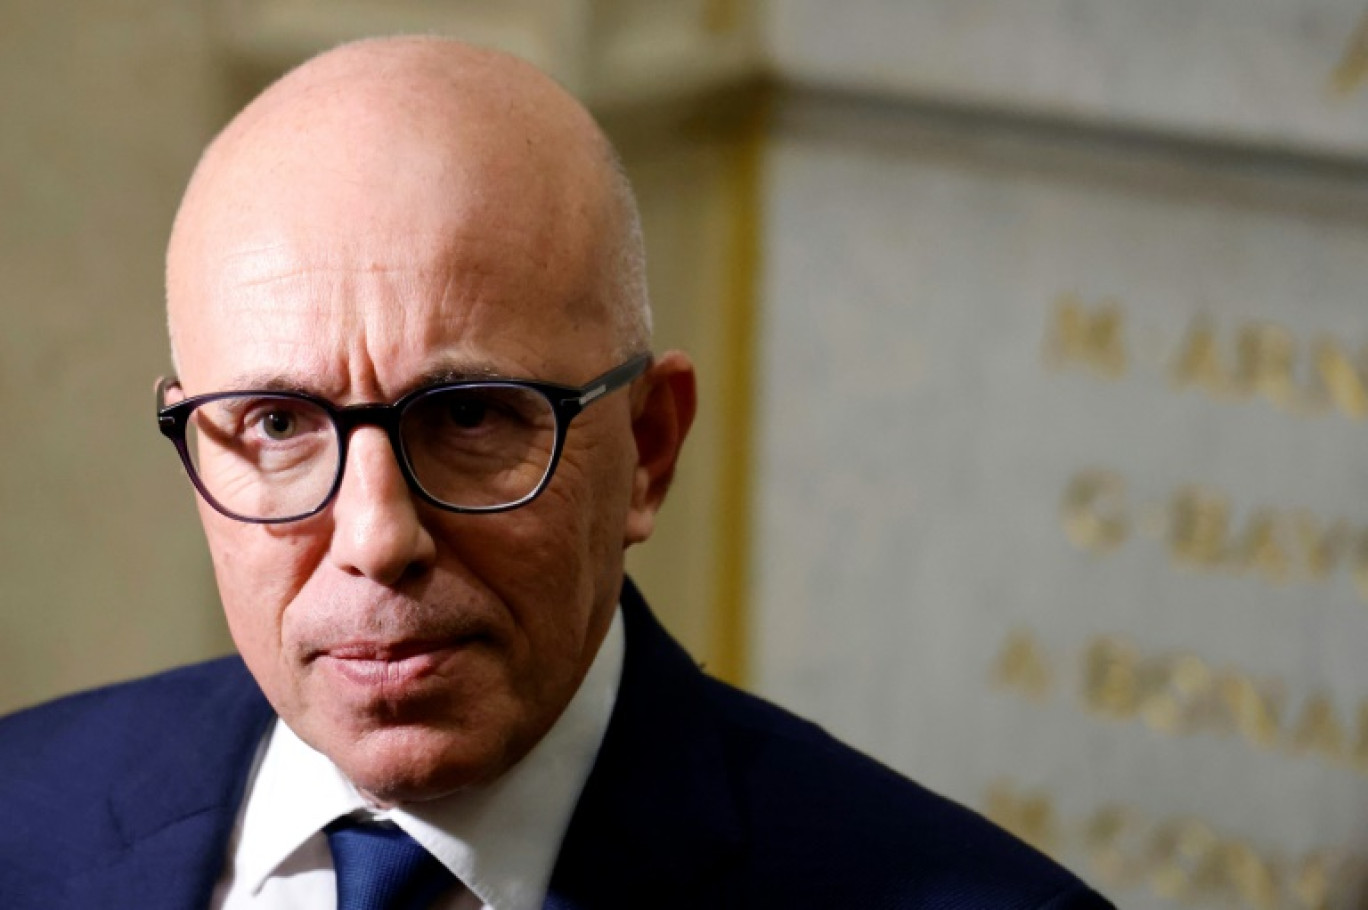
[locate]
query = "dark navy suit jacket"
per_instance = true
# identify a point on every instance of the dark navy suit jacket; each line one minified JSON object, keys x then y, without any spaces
{"x":701,"y":797}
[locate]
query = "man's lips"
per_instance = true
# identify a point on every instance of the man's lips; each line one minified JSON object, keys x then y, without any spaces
{"x":391,"y":665}
{"x":390,"y":651}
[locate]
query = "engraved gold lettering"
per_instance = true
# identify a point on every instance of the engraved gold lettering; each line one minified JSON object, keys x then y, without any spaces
{"x":1181,"y":694}
{"x":1105,"y":836}
{"x":1090,"y":339}
{"x":1342,"y":379}
{"x":1199,"y":526}
{"x":1094,"y":511}
{"x":1261,"y":550}
{"x":1030,"y":816}
{"x":1265,"y":358}
{"x":1022,"y":668}
{"x":1265,"y":365}
{"x":1254,"y":710}
{"x":1318,"y":730}
{"x":1199,"y":363}
{"x":1185,"y":860}
{"x":1110,"y":686}
{"x":1276,"y":545}
{"x":1319,"y":547}
{"x":1173,"y":692}
{"x":1183,"y":857}
{"x":1310,"y":885}
{"x":1262,"y":360}
{"x":1250,"y":876}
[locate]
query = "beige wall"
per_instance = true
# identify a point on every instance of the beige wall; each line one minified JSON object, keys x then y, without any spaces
{"x":693,"y":165}
{"x":102,"y":572}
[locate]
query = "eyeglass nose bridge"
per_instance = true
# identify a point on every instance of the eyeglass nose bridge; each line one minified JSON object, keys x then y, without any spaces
{"x":390,"y":418}
{"x":384,"y":416}
{"x":387,"y":417}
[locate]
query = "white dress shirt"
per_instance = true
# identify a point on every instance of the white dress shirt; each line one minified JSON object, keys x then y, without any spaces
{"x":501,"y":841}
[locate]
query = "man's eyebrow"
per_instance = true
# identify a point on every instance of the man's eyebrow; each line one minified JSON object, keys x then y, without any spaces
{"x":270,"y":382}
{"x":454,"y":371}
{"x":458,"y":372}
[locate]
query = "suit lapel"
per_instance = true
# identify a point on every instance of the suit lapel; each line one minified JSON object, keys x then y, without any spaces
{"x":656,"y":825}
{"x":170,"y":824}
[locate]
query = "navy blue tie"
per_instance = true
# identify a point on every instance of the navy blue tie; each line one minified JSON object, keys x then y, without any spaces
{"x":379,"y":867}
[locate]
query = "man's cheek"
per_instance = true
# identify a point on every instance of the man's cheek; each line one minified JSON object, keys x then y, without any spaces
{"x":252,"y":559}
{"x":256,"y":597}
{"x":540,"y":534}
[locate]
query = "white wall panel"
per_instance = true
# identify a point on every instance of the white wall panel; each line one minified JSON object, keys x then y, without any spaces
{"x":1288,"y":73}
{"x":919,"y":439}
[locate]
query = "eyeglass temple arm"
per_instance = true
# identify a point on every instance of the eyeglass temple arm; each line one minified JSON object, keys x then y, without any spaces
{"x":164,"y":383}
{"x":165,"y":421}
{"x":613,"y":379}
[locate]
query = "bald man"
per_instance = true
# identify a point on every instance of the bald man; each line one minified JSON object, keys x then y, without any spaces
{"x":416,"y":399}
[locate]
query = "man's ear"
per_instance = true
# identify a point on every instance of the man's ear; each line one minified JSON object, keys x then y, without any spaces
{"x":663,"y":407}
{"x":174,"y":392}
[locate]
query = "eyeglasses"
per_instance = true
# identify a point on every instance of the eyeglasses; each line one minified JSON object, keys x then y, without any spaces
{"x":468,"y":446}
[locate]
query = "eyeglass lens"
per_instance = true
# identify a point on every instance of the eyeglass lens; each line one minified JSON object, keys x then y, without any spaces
{"x":266,"y":457}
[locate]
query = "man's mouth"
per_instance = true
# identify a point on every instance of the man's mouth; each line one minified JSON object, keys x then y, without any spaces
{"x":392,"y":665}
{"x":390,"y":651}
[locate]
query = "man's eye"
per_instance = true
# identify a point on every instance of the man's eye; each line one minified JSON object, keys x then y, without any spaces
{"x":468,"y":413}
{"x":280,"y":425}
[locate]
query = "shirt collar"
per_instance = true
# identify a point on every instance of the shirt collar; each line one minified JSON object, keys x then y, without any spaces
{"x":501,"y":840}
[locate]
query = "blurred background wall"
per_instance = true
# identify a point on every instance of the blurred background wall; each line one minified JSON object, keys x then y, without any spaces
{"x":1060,"y":485}
{"x":1034,"y":354}
{"x":104,"y":108}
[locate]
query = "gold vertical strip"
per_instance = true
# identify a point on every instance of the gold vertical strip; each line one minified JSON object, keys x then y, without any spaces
{"x":732,"y":538}
{"x":1352,"y":70}
{"x":721,"y":17}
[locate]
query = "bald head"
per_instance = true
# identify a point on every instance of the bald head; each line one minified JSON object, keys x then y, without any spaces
{"x":426,"y":139}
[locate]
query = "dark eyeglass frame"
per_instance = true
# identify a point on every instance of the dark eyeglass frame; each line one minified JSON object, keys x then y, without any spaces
{"x":566,"y":403}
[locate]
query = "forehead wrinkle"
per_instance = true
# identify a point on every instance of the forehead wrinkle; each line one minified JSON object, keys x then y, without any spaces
{"x":447,"y":369}
{"x":302,"y":271}
{"x":323,"y":253}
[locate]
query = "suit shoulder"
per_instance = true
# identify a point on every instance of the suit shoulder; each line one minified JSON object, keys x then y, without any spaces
{"x":57,"y":739}
{"x":82,"y":775}
{"x":813,"y":802}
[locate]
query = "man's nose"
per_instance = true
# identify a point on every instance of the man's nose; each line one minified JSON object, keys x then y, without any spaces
{"x":377,"y":531}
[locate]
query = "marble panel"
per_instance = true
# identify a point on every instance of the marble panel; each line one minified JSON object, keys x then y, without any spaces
{"x":1282,"y":73}
{"x":1062,"y":480}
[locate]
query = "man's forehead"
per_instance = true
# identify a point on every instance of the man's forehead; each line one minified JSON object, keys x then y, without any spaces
{"x":447,"y":368}
{"x":239,"y":260}
{"x":339,"y":233}
{"x":392,"y":288}
{"x":381,"y":358}
{"x":367,"y":330}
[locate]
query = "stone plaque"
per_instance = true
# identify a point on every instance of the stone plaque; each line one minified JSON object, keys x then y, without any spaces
{"x":1063,"y":492}
{"x":1290,"y":74}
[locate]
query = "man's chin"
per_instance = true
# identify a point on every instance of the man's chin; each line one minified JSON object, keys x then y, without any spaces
{"x":412,"y":763}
